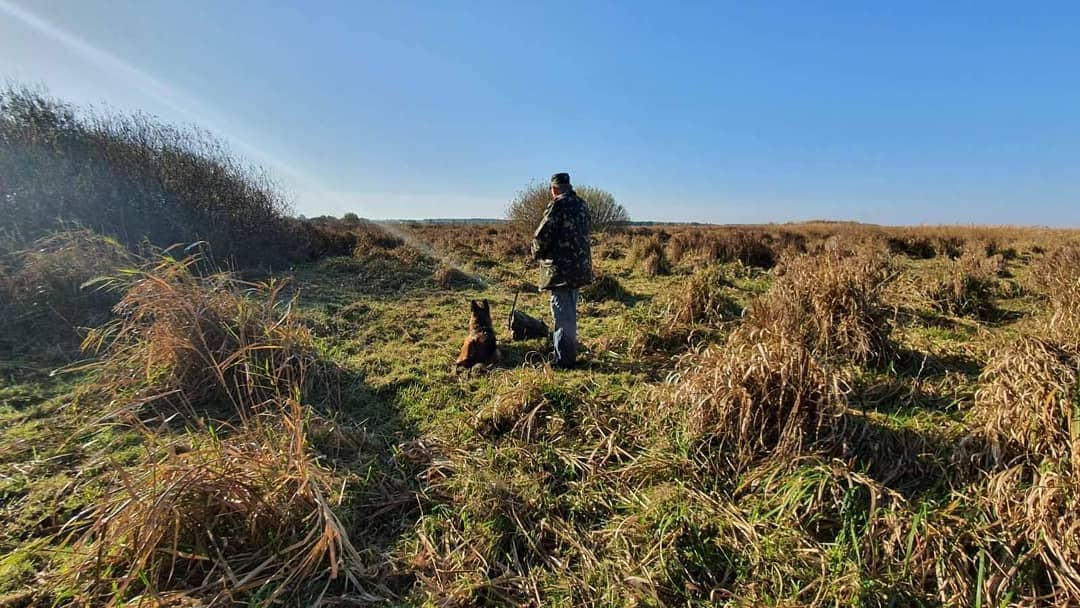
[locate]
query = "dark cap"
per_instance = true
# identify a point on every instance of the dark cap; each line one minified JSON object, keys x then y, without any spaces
{"x":560,"y":179}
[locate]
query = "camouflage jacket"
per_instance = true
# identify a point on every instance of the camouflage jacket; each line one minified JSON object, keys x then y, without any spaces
{"x":561,"y":243}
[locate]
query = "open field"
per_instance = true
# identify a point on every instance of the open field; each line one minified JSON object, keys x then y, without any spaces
{"x":814,"y":414}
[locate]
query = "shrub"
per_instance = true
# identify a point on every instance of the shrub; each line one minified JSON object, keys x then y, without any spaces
{"x":604,"y":213}
{"x":136,"y":179}
{"x":528,"y":206}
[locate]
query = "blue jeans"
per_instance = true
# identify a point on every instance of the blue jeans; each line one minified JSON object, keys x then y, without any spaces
{"x":564,"y":312}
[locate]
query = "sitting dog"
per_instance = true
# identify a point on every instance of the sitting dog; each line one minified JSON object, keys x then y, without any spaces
{"x":480,"y":346}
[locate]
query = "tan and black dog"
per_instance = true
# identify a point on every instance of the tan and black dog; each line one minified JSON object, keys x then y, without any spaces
{"x":480,"y":346}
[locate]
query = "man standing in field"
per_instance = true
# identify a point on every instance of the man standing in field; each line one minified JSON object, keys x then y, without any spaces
{"x":561,"y":245}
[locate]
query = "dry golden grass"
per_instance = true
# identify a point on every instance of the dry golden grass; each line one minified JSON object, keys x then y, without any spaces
{"x":759,"y":395}
{"x":750,"y":478}
{"x":647,"y":254}
{"x":449,"y":277}
{"x":250,"y":515}
{"x":44,"y":291}
{"x":1057,"y":277}
{"x":241,"y":510}
{"x":967,"y":285}
{"x":209,"y":342}
{"x":832,"y":302}
{"x":702,"y":299}
{"x":1026,"y":405}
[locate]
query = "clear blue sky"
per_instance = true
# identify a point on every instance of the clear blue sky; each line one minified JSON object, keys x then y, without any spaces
{"x":722,"y":112}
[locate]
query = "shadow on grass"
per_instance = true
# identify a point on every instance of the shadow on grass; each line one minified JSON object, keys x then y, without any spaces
{"x":913,"y":365}
{"x":533,"y":353}
{"x":365,"y":434}
{"x":914,"y":463}
{"x":896,"y":396}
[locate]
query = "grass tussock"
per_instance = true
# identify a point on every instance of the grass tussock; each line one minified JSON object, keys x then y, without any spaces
{"x":448,"y":277}
{"x":832,"y":302}
{"x":1027,"y":404}
{"x":748,"y":247}
{"x":251,"y":515}
{"x":210,"y":342}
{"x":703,"y":299}
{"x":1057,"y":277}
{"x":47,"y":288}
{"x":605,"y":288}
{"x":758,"y":396}
{"x":1024,"y":427}
{"x":648,"y":256}
{"x":967,"y":286}
{"x":239,"y":507}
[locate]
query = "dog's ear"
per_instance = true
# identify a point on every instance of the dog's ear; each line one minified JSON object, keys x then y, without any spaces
{"x":487,"y":306}
{"x":474,"y":306}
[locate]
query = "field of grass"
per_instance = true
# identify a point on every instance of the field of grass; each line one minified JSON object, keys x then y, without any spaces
{"x":813,"y":415}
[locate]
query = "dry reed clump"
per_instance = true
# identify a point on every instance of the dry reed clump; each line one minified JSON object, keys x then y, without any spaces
{"x":647,"y":253}
{"x":832,"y":302}
{"x":759,"y":395}
{"x":967,"y":285}
{"x":47,"y":288}
{"x":748,"y":247}
{"x":1027,"y":406}
{"x":1057,"y":276}
{"x":925,"y":243}
{"x":208,"y":342}
{"x":244,"y":512}
{"x":1027,"y":435}
{"x":1032,"y":548}
{"x":606,"y":287}
{"x":249,"y":516}
{"x":449,"y":277}
{"x":702,"y":299}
